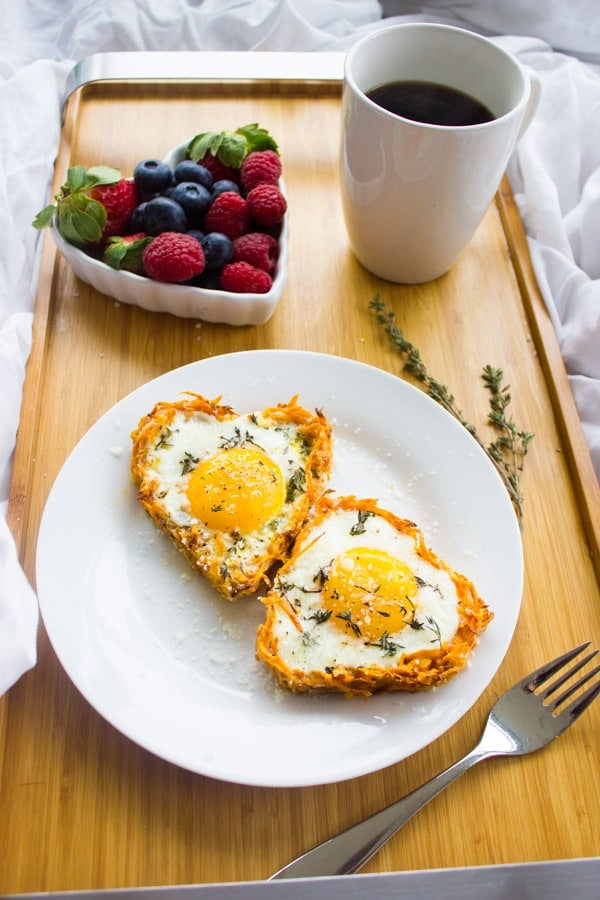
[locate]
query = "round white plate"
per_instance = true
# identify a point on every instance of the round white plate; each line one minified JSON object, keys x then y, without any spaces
{"x":172,"y":666}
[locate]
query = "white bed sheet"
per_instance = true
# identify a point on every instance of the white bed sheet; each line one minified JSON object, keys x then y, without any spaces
{"x":555,"y":173}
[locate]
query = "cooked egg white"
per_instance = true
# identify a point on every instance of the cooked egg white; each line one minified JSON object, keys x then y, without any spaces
{"x":380,"y":598}
{"x":364,"y":605}
{"x":230,"y":475}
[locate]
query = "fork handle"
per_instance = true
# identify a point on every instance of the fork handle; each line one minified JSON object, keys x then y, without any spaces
{"x":348,"y":851}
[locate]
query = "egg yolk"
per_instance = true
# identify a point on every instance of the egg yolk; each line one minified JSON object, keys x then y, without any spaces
{"x":370,"y":592}
{"x":236,"y":490}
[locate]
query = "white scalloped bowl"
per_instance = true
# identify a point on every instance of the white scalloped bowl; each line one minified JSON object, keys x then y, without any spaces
{"x":180,"y":299}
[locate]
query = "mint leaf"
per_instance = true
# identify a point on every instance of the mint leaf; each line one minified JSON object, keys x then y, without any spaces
{"x":231,"y":147}
{"x":201,"y":144}
{"x":257,"y":138}
{"x":232,"y":150}
{"x":226,"y":146}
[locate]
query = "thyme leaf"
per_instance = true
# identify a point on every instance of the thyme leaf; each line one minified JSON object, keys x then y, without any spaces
{"x":238,"y":440}
{"x":164,"y":439}
{"x":386,"y":645}
{"x":433,"y":626}
{"x":296,"y":484}
{"x":320,"y":615}
{"x":508,"y":451}
{"x":188,"y":462}
{"x":422,"y":583}
{"x":309,"y":639}
{"x":320,"y":579}
{"x":359,"y":525}
{"x":347,"y":617}
{"x":283,"y":587}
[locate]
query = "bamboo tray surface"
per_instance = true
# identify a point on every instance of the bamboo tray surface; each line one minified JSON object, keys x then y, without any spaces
{"x":82,"y":807}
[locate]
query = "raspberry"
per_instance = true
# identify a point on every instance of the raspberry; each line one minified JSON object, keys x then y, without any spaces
{"x":257,"y":248}
{"x":173,"y":257}
{"x":267,"y":205}
{"x":119,"y":200}
{"x":228,"y":214}
{"x":217,"y":169}
{"x":242,"y":278}
{"x":260,"y":167}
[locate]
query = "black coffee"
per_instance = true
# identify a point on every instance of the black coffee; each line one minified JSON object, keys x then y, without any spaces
{"x":424,"y":101}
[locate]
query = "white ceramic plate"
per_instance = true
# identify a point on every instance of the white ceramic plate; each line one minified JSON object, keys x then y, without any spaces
{"x":172,"y":666}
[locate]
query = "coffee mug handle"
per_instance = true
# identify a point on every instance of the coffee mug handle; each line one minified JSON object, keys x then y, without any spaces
{"x":535,"y":90}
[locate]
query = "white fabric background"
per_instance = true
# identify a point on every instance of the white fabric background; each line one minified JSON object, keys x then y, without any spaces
{"x":555,"y":173}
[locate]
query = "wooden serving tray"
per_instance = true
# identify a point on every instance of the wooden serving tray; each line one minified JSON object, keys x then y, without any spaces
{"x":82,"y":807}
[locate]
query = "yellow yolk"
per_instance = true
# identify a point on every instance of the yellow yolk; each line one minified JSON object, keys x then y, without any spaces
{"x":369,"y":592}
{"x":236,"y":490}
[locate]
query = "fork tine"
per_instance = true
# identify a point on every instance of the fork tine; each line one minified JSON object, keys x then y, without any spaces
{"x":575,"y":687}
{"x":544,"y":672}
{"x":581,"y":704}
{"x":554,"y":686}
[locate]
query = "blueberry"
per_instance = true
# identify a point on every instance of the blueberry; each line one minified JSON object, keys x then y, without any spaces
{"x":193,"y":198}
{"x":218,"y":250}
{"x":196,"y":233}
{"x":138,"y":218}
{"x":188,"y":170}
{"x":209,"y":280}
{"x":163,"y":214}
{"x":219,"y":187}
{"x":152,"y":176}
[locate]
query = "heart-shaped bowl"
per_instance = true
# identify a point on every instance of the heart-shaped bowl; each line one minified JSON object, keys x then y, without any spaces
{"x":182,"y":300}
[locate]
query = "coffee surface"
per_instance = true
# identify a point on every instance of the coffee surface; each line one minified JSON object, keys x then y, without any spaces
{"x":424,"y":101}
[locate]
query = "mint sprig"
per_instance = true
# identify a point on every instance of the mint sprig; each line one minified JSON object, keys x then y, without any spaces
{"x":231,"y":147}
{"x":80,"y":218}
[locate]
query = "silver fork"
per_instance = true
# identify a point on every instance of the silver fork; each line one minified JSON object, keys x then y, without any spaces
{"x":522,"y":720}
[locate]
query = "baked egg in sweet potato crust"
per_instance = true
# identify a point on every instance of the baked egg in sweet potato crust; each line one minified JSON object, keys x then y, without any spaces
{"x":232,"y":490}
{"x":364,"y":605}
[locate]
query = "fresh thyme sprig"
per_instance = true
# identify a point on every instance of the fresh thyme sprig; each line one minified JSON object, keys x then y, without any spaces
{"x":509,"y":449}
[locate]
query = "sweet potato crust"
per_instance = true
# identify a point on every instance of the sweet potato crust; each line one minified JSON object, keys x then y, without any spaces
{"x":234,"y":580}
{"x":418,"y":671}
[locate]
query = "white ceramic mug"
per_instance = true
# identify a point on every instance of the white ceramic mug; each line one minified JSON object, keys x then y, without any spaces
{"x":414,"y":193}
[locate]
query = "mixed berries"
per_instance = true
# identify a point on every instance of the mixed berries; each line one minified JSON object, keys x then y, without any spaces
{"x":214,"y":220}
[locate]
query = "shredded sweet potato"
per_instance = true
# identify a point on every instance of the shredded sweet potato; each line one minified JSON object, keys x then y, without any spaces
{"x":417,"y":671}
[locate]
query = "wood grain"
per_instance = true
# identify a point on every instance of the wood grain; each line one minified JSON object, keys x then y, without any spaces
{"x":81,"y":807}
